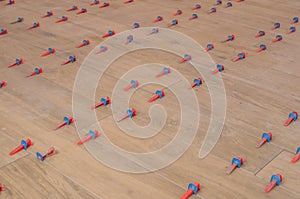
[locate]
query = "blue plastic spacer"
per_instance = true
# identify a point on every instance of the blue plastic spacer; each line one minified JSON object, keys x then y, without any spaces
{"x":134,"y":83}
{"x":292,"y":29}
{"x":220,"y":67}
{"x":64,"y":18}
{"x":198,"y":6}
{"x":155,"y":30}
{"x":39,"y":156}
{"x":174,"y":22}
{"x":298,"y":150}
{"x":276,"y":178}
{"x":194,"y":15}
{"x":49,"y":13}
{"x":92,"y":133}
{"x":85,"y":42}
{"x":74,"y":7}
{"x":136,"y":25}
{"x":166,"y":70}
{"x":130,"y":38}
{"x":229,"y":4}
{"x":179,"y":12}
{"x":193,"y":187}
{"x":293,"y":115}
{"x":24,"y":143}
{"x":230,"y":37}
{"x":130,"y":112}
{"x":261,"y":32}
{"x":37,"y":71}
{"x":18,"y":61}
{"x":187,"y":57}
{"x":241,"y":55}
{"x":295,"y":19}
{"x":267,"y":136}
{"x":102,"y":48}
{"x":2,"y":84}
{"x":213,"y":9}
{"x":159,"y":18}
{"x":20,"y":19}
{"x":50,"y":50}
{"x":67,"y":120}
{"x":279,"y":37}
{"x":262,"y":46}
{"x":158,"y":92}
{"x":219,"y":2}
{"x":237,"y":162}
{"x":2,"y":30}
{"x":72,"y":59}
{"x":198,"y":82}
{"x":210,"y":46}
{"x":104,"y":101}
{"x":277,"y":25}
{"x":110,"y":32}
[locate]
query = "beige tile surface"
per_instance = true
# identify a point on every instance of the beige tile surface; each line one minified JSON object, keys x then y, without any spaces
{"x":261,"y":91}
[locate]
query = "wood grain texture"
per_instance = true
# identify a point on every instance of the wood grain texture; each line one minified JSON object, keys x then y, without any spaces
{"x":261,"y":91}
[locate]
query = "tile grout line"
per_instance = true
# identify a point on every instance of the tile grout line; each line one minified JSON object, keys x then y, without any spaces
{"x":175,"y":183}
{"x":71,"y":179}
{"x":255,"y":174}
{"x":16,"y":160}
{"x":52,"y":167}
{"x":268,"y":162}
